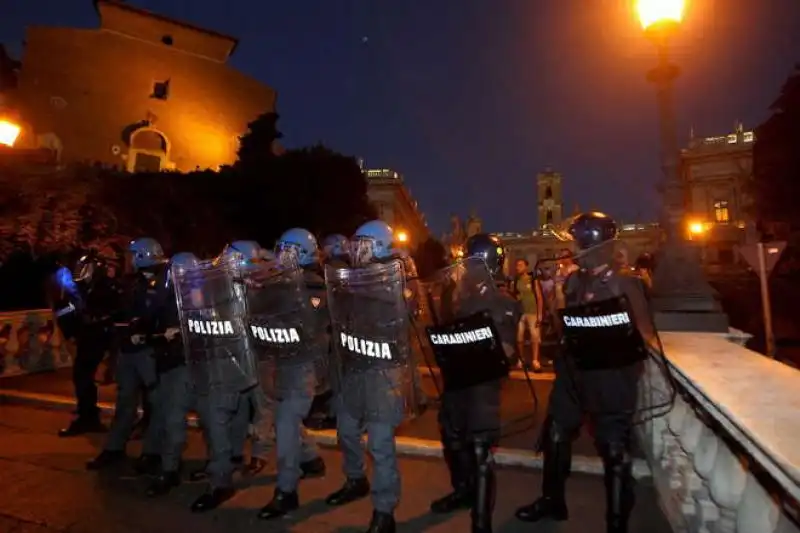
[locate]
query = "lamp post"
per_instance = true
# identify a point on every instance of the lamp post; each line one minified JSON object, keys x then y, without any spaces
{"x":682,"y":298}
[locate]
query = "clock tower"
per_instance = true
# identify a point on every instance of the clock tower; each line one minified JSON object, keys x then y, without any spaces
{"x":551,"y":203}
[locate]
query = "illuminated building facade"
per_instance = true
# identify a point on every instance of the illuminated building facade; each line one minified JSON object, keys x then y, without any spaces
{"x":142,"y":92}
{"x":395,"y":205}
{"x":716,"y":171}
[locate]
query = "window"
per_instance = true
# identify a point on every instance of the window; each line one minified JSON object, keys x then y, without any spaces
{"x":548,"y":192}
{"x":167,"y":39}
{"x":160,"y":90}
{"x":721,"y":213}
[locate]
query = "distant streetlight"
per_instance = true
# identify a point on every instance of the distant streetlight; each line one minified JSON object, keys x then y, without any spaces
{"x":696,"y":228}
{"x":680,"y":292}
{"x":402,"y":236}
{"x":8,"y":133}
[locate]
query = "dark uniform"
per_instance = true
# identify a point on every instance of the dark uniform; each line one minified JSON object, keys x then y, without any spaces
{"x":144,"y":301}
{"x":83,"y":310}
{"x":297,"y":378}
{"x":174,"y":395}
{"x":602,"y":383}
{"x":469,"y":419}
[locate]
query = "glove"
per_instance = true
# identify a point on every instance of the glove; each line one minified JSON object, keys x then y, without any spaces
{"x":171,"y":333}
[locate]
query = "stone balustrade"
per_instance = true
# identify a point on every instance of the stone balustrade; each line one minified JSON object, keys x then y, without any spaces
{"x":726,"y":459}
{"x":31,"y":342}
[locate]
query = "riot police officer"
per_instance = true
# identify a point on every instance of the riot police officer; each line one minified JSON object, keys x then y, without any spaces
{"x":336,"y":253}
{"x":225,"y":394}
{"x":335,"y":247}
{"x":84,"y":305}
{"x":597,"y":374}
{"x":370,"y":322}
{"x":174,"y":391}
{"x":469,"y":419}
{"x":300,"y":368}
{"x":146,"y":294}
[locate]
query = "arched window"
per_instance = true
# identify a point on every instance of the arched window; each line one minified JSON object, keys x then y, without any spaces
{"x":149,"y":151}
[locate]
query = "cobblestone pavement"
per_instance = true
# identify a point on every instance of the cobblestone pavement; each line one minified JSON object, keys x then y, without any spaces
{"x":45,"y":489}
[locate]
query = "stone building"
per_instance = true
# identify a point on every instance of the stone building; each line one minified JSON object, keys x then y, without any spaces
{"x":550,"y":198}
{"x":140,"y":92}
{"x":716,"y":170}
{"x":396,"y":206}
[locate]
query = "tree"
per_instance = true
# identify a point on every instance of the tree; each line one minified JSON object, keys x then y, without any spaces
{"x":257,"y":145}
{"x":776,"y":159}
{"x":430,"y":256}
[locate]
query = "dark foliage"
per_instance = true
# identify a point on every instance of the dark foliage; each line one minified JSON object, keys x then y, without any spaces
{"x":47,"y":215}
{"x":776,"y":160}
{"x":430,"y":256}
{"x":257,"y":146}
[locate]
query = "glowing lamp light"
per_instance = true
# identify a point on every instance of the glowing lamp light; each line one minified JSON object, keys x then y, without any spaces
{"x":8,"y":133}
{"x":652,"y":12}
{"x":696,"y":228}
{"x":402,"y":236}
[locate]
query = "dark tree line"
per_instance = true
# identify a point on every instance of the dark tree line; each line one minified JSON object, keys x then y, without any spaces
{"x":50,"y":215}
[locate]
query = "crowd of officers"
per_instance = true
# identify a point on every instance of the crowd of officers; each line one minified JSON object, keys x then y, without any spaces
{"x":139,"y":314}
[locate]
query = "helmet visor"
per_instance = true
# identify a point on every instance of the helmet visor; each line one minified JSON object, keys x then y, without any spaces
{"x":362,"y":250}
{"x":287,"y":254}
{"x":84,"y":270}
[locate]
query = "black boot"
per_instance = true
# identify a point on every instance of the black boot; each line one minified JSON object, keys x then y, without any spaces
{"x":106,"y":459}
{"x":212,"y":499}
{"x":352,"y":490}
{"x":163,"y":483}
{"x":619,"y":487}
{"x":381,"y":523}
{"x":483,"y":503}
{"x":313,"y":468}
{"x":282,"y":503}
{"x":81,"y":426}
{"x":557,"y":458}
{"x":147,"y":464}
{"x":460,"y":460}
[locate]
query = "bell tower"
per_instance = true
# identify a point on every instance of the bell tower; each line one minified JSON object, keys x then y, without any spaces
{"x":551,"y":202}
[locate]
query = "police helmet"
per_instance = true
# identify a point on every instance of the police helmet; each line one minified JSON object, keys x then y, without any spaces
{"x":489,"y":248}
{"x":185,"y":260}
{"x":243,"y":251}
{"x":372,"y":240}
{"x":336,"y":245}
{"x":146,"y":253}
{"x":592,"y":229}
{"x":297,"y":246}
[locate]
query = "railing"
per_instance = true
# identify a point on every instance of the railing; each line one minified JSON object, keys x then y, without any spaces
{"x":30,"y":342}
{"x":727,"y":457}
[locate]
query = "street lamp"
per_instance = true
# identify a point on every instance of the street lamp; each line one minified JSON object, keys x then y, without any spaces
{"x":682,"y":298}
{"x":402,"y":236}
{"x":8,"y":133}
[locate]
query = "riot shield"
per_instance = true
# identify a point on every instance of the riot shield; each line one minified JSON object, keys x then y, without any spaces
{"x":614,"y":334}
{"x":371,"y":335}
{"x":211,"y":306}
{"x":462,"y":332}
{"x":284,"y":327}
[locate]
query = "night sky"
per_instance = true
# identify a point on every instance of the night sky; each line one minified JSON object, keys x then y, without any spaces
{"x":469,"y":99}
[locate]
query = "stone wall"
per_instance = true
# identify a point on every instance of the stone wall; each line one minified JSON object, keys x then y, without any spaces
{"x":725,"y":459}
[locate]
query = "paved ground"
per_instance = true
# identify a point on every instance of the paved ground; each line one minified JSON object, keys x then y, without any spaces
{"x":45,"y":489}
{"x":522,"y":414}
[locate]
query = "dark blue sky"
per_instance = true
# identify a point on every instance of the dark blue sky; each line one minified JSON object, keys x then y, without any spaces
{"x":470,"y":98}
